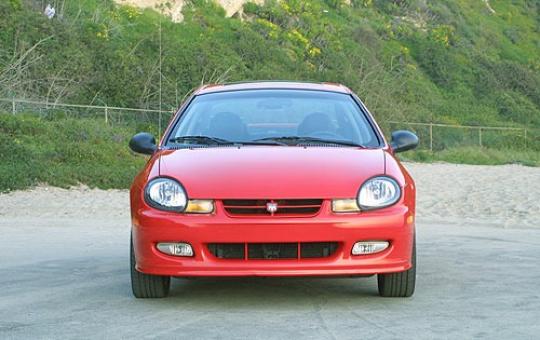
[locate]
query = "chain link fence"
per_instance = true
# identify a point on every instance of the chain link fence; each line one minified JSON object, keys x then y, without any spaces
{"x":141,"y":119}
{"x":437,"y":137}
{"x":433,"y":136}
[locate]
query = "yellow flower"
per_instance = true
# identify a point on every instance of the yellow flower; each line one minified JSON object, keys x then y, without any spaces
{"x":299,"y":37}
{"x":104,"y":33}
{"x":442,"y":34}
{"x":314,"y":51}
{"x":267,"y":24}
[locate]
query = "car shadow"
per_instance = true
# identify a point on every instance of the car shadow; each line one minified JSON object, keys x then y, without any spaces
{"x":274,"y":293}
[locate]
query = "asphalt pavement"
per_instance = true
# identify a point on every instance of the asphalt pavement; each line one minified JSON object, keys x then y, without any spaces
{"x":69,"y":278}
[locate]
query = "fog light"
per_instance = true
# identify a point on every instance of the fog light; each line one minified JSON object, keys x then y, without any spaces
{"x":175,"y":249}
{"x":369,"y":247}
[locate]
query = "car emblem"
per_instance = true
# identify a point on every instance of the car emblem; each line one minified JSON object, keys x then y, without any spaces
{"x":271,"y":207}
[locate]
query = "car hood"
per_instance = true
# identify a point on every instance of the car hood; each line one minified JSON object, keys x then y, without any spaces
{"x":271,"y":172}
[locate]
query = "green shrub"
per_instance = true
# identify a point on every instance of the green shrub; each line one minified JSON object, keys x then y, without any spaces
{"x":64,"y":153}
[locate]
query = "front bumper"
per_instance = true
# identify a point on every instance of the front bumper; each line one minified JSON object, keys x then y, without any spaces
{"x":394,"y":224}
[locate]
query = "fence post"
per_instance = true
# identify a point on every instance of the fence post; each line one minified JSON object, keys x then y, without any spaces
{"x":480,"y":136}
{"x":106,"y":114}
{"x":13,"y":107}
{"x":431,"y":137}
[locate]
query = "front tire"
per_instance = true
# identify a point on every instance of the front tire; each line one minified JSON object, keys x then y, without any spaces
{"x":146,"y":286}
{"x":400,"y":284}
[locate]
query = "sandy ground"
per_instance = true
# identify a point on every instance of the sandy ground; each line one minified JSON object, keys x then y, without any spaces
{"x":499,"y":196}
{"x":64,"y":272}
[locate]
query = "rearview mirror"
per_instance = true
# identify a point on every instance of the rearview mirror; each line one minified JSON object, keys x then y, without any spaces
{"x":403,"y":140}
{"x":144,"y":143}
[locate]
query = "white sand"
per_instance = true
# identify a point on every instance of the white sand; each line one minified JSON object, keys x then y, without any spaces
{"x":500,"y":196}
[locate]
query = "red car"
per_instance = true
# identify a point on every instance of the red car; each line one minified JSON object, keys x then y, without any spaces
{"x":273,"y":179}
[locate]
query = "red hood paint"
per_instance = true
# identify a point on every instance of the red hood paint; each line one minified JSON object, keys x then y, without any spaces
{"x":271,"y":172}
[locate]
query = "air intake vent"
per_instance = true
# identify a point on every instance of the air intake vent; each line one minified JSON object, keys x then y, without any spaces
{"x":285,"y":207}
{"x":270,"y":251}
{"x":273,"y":251}
{"x":317,"y":249}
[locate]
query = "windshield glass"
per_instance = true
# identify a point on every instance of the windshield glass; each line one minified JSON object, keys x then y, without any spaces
{"x":288,"y":116}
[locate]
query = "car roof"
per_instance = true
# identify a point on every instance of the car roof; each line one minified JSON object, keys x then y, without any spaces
{"x":272,"y":85}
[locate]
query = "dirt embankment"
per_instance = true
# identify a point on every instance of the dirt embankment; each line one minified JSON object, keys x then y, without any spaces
{"x":173,"y":8}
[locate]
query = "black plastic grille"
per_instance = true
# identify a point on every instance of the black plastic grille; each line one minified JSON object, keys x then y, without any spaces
{"x":227,"y":250}
{"x":317,"y":249}
{"x":273,"y":251}
{"x":270,"y":251}
{"x":284,"y":207}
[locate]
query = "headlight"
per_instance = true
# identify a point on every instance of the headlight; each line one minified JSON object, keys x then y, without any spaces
{"x":378,"y":192}
{"x":166,"y":194}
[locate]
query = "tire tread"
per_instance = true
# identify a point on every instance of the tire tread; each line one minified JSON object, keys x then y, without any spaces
{"x":147,"y":286}
{"x":400,"y":284}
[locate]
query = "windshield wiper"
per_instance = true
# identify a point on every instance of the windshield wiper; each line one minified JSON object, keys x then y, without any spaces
{"x":201,"y":140}
{"x":220,"y":141}
{"x":296,"y":140}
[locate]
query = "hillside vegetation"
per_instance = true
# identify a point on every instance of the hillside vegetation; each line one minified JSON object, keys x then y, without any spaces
{"x":449,"y":61}
{"x":446,"y":60}
{"x":63,"y":153}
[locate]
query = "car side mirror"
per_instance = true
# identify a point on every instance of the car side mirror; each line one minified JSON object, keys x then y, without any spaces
{"x":403,"y":140}
{"x":144,"y":143}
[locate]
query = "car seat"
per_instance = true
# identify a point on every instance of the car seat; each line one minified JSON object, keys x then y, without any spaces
{"x":315,"y":123}
{"x":229,"y":126}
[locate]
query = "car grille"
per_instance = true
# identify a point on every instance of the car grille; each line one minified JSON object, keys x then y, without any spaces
{"x":273,"y":251}
{"x":284,"y":207}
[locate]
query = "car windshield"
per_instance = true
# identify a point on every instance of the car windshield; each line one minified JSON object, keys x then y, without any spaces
{"x":275,"y":117}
